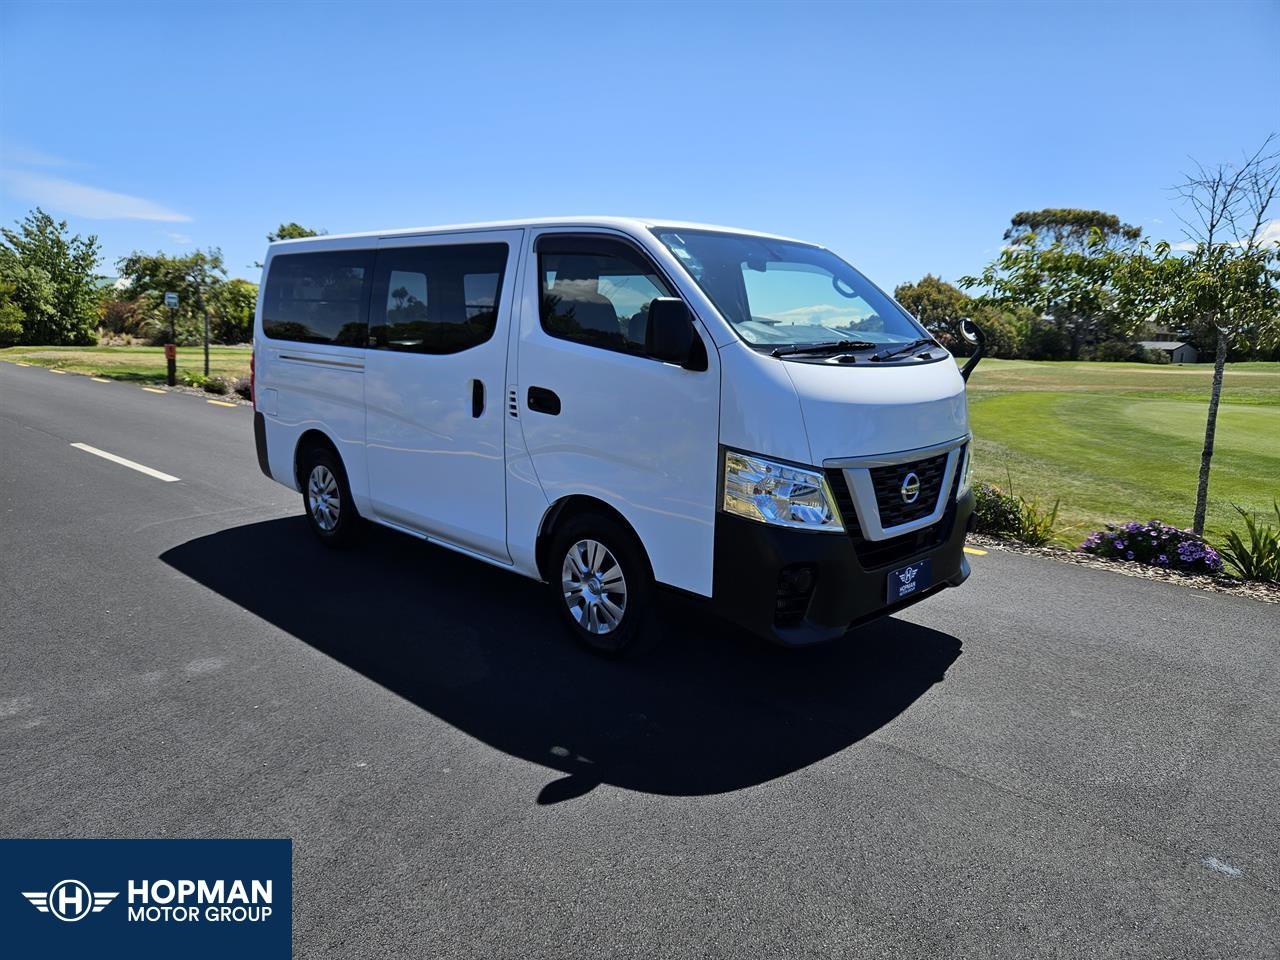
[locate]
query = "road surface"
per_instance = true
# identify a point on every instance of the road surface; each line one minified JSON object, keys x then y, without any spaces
{"x":1050,"y":761}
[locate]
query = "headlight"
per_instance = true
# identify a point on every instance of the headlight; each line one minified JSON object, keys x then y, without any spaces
{"x":966,"y":470}
{"x":777,"y":493}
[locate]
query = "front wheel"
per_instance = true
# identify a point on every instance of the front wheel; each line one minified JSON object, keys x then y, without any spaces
{"x":602,"y":583}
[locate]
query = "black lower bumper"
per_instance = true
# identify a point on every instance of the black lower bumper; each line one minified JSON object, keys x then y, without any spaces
{"x":797,"y":587}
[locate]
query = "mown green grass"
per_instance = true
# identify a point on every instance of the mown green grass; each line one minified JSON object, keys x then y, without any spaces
{"x":1117,"y":442}
{"x":136,"y":364}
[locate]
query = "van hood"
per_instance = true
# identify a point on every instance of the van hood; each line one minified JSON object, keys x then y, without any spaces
{"x":857,"y":410}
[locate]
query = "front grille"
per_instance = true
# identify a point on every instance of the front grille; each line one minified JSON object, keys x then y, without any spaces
{"x":874,"y":554}
{"x":888,"y":484}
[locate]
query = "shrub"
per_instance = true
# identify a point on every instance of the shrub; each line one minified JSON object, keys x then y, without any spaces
{"x":217,"y":385}
{"x":243,"y":387}
{"x":1154,"y":543}
{"x":1003,"y":514}
{"x":190,"y":379}
{"x":1259,"y":559}
{"x":1116,"y":351}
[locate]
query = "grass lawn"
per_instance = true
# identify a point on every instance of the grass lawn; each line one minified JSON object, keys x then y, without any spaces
{"x":1121,"y":441}
{"x":137,"y":364}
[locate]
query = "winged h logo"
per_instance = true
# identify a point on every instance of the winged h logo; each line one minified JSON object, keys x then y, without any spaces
{"x":70,"y":900}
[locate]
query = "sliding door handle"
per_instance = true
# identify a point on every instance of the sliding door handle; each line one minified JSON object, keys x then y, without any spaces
{"x":477,"y":398}
{"x":542,"y":400}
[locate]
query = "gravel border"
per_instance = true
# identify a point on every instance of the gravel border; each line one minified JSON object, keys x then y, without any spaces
{"x":1265,"y":592}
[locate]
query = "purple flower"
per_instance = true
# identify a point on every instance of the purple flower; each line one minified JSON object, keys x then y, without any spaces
{"x":1162,"y":560}
{"x":1129,"y":554}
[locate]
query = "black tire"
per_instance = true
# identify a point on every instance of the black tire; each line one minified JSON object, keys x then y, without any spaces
{"x":331,"y":511}
{"x":596,"y":613}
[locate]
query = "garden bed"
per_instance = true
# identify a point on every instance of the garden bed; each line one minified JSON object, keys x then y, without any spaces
{"x":1266,"y":592}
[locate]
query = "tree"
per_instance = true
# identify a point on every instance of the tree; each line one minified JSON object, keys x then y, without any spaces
{"x":233,"y":305}
{"x":1226,"y":286}
{"x":293,"y":231}
{"x":941,"y":307}
{"x":290,"y":231}
{"x":196,"y":278}
{"x":1071,"y":228}
{"x":1068,"y":287}
{"x":10,"y":315}
{"x":53,"y":276}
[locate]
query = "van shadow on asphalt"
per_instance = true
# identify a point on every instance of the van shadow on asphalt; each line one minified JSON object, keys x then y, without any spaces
{"x":702,"y":709}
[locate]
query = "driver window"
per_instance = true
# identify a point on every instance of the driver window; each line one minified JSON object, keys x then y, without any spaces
{"x":597,"y":290}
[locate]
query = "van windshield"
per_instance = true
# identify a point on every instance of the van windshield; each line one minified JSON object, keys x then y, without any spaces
{"x":782,"y":293}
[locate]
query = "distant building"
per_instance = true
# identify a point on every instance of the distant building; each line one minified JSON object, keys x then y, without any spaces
{"x":1178,"y":352}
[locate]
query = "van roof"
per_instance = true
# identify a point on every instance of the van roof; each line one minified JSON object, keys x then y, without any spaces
{"x":623,"y":223}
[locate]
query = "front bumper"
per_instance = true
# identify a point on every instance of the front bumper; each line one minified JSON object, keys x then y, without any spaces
{"x":756,"y":564}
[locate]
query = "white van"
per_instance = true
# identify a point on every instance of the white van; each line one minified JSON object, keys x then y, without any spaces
{"x":607,"y":404}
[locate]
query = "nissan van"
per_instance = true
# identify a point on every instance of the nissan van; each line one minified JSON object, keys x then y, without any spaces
{"x":610,"y":405}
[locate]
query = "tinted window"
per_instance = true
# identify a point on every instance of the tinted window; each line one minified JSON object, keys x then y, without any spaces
{"x":436,"y":299}
{"x":597,"y":290}
{"x":318,"y":297}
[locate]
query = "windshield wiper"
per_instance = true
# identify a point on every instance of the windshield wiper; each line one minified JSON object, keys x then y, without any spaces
{"x":905,"y":348}
{"x":840,"y":346}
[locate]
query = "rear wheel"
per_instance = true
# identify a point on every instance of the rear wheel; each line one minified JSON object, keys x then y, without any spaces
{"x":602,"y":582}
{"x":327,"y":497}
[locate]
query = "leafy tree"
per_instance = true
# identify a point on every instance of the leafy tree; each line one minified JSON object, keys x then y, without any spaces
{"x":233,"y":306}
{"x":10,"y":314}
{"x":53,"y":279}
{"x":1068,"y":288}
{"x":941,"y":307}
{"x":293,"y":231}
{"x":290,"y":231}
{"x":196,"y":278}
{"x":1072,"y":229}
{"x":1226,"y":287}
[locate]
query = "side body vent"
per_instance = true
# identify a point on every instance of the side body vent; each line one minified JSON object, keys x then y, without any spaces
{"x":513,"y":403}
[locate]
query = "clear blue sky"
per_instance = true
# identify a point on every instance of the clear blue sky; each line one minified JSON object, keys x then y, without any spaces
{"x":903,"y":136}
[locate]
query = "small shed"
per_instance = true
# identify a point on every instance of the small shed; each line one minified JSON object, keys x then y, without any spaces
{"x":1178,"y":352}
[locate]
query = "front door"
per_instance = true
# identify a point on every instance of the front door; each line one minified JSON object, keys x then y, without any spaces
{"x":600,"y":418}
{"x":439,"y":316}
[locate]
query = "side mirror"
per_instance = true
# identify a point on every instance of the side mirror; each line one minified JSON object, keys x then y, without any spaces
{"x":669,"y":335}
{"x":973,"y":333}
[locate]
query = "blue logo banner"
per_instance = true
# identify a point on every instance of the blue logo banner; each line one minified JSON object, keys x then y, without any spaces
{"x":147,"y":898}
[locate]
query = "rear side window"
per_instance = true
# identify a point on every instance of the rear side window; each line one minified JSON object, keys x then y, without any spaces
{"x":440,"y":299}
{"x":597,"y":290}
{"x":319,"y":297}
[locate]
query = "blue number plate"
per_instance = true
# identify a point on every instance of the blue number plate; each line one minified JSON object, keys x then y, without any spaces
{"x":908,"y":581}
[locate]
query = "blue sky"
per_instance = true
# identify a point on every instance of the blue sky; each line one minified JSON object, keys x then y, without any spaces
{"x":903,"y":136}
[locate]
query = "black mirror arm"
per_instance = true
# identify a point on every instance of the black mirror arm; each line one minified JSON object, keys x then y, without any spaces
{"x":974,"y":334}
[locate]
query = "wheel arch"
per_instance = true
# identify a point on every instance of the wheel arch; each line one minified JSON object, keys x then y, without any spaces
{"x":310,"y":440}
{"x":568,"y":508}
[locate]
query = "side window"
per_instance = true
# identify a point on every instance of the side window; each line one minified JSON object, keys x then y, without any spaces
{"x":440,"y":299}
{"x":597,"y":290}
{"x":318,"y":297}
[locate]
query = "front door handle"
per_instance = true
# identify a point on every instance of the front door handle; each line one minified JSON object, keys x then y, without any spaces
{"x":477,"y":398}
{"x":542,"y":400}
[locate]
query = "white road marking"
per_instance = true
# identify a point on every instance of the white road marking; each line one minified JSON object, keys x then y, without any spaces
{"x":99,"y":380}
{"x":154,"y":390}
{"x":221,"y":403}
{"x":125,"y":463}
